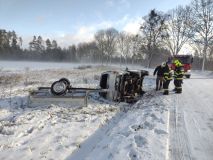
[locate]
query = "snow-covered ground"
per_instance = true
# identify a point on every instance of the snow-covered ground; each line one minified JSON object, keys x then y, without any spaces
{"x":21,"y":65}
{"x":156,"y":127}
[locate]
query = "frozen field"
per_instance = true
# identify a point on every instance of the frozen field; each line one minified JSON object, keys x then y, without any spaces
{"x":21,"y":65}
{"x":156,"y":127}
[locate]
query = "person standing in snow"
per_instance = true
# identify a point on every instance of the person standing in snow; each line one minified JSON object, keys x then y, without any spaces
{"x":159,"y":80}
{"x":178,"y":76}
{"x":167,"y":77}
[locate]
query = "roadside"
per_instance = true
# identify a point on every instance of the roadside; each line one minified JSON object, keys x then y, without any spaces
{"x":138,"y":132}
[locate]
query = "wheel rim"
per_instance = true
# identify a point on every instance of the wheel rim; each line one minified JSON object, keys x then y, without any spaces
{"x":59,"y":87}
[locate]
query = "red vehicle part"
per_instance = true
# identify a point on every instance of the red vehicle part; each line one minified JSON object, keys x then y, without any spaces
{"x":186,"y":60}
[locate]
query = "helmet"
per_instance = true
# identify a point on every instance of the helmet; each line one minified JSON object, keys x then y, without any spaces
{"x":176,"y":61}
{"x":179,"y":64}
{"x":163,"y":64}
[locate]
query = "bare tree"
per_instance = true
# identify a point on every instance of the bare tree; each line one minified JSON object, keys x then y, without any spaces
{"x":198,"y":49}
{"x":153,"y":32}
{"x":136,"y":48}
{"x":211,"y":53}
{"x":100,"y":41}
{"x":178,"y":29}
{"x":124,"y":43}
{"x":203,"y":25}
{"x":121,"y":44}
{"x":106,"y":42}
{"x":110,"y":45}
{"x":87,"y":51}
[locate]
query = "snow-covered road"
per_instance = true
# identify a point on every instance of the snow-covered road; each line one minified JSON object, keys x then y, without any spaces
{"x":191,"y":120}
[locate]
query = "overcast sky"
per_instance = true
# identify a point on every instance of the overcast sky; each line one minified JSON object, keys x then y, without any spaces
{"x":73,"y":21}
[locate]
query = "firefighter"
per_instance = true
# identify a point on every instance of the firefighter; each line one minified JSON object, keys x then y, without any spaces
{"x":178,"y":76}
{"x":159,"y":80}
{"x":167,"y":77}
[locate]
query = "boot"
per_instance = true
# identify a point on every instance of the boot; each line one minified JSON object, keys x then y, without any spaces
{"x":161,"y":86}
{"x":166,"y":93}
{"x":178,"y":91}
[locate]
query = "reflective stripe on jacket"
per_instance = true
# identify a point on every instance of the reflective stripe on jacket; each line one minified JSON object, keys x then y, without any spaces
{"x":167,"y":74}
{"x":178,"y":73}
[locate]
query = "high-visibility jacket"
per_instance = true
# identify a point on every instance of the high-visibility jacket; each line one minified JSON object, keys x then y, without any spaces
{"x":178,"y":73}
{"x":167,"y":74}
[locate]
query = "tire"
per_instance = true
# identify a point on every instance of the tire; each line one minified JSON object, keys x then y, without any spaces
{"x":188,"y":76}
{"x":58,"y":88}
{"x":66,"y":81}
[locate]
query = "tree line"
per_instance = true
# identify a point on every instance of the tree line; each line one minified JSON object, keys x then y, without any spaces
{"x":161,"y":35}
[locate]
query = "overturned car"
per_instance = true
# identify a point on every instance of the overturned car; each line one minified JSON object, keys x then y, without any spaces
{"x":121,"y":86}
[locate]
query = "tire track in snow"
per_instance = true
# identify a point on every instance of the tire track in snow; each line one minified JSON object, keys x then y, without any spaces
{"x":179,"y":147}
{"x":198,"y":108}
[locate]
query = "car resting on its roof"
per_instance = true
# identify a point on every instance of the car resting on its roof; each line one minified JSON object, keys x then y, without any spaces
{"x":120,"y":86}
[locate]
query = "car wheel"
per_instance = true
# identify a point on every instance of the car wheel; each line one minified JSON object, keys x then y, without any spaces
{"x":65,"y":80}
{"x":58,"y":88}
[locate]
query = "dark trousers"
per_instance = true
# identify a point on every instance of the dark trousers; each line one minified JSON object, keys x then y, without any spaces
{"x":178,"y":86}
{"x":166,"y":87}
{"x":159,"y":82}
